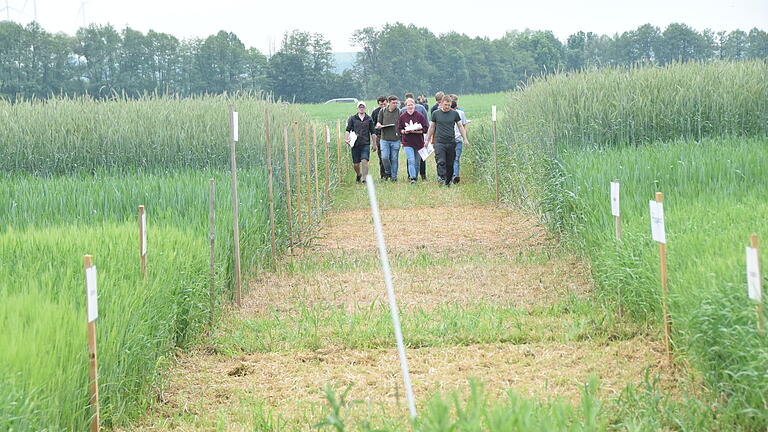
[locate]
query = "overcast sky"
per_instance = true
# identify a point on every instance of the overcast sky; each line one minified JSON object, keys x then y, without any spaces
{"x":261,"y":23}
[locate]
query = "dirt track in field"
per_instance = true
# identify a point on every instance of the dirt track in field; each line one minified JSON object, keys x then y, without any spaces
{"x":483,"y":255}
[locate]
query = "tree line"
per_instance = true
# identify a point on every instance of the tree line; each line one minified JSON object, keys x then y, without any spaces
{"x":103,"y":62}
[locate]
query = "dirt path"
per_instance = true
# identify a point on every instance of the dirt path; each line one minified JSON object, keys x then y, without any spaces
{"x":484,"y":293}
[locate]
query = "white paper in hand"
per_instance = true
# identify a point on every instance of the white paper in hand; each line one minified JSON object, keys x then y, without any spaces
{"x":753,"y":275}
{"x":411,"y":126}
{"x":426,"y":151}
{"x":657,"y":221}
{"x":615,"y":208}
{"x":352,"y":138}
{"x":90,"y":291}
{"x":143,"y":234}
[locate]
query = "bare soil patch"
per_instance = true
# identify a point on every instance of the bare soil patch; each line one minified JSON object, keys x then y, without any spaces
{"x":464,"y":229}
{"x":204,"y":384}
{"x":502,"y":282}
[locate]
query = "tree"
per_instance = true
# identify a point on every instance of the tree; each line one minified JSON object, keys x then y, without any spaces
{"x":221,"y":59}
{"x":98,"y":48}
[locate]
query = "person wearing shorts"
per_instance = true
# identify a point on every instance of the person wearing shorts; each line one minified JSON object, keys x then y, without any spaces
{"x":363,"y":126}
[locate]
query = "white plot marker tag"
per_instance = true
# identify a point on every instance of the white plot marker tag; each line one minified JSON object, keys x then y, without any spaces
{"x":753,"y":275}
{"x":493,"y":112}
{"x":657,"y":221}
{"x":235,"y":135}
{"x":90,"y":290}
{"x":391,"y":294}
{"x":327,"y":135}
{"x":615,"y":207}
{"x":143,"y":234}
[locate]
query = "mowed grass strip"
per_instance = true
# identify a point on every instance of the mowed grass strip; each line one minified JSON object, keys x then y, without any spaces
{"x":247,"y":392}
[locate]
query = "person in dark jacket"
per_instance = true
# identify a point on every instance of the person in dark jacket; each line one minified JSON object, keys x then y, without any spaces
{"x":382,"y":101}
{"x":412,"y":126}
{"x":363,"y":126}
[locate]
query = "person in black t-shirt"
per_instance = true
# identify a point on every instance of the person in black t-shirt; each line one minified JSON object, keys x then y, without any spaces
{"x":442,"y":128}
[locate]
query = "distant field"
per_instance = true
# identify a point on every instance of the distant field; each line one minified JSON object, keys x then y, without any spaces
{"x":477,"y":106}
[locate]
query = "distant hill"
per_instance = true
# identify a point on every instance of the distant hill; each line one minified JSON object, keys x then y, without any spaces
{"x":344,"y":61}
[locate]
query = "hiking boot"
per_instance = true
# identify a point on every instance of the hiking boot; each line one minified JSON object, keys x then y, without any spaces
{"x":358,"y":178}
{"x":456,"y":180}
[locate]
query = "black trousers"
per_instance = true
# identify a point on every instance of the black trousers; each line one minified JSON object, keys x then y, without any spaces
{"x":445,"y":155}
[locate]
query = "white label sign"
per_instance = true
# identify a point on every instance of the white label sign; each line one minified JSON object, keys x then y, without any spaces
{"x":615,"y":208}
{"x":90,"y":291}
{"x":753,"y":275}
{"x":143,"y":234}
{"x":493,"y":113}
{"x":657,"y":221}
{"x":327,"y":135}
{"x":234,"y":126}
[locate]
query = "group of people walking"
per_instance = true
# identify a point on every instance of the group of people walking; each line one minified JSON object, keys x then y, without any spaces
{"x":393,"y":125}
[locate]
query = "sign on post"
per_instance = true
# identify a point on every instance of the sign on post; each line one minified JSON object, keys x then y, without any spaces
{"x":657,"y":222}
{"x":235,"y":129}
{"x":658,"y":233}
{"x":616,"y":208}
{"x":493,"y":112}
{"x":143,"y":240}
{"x":754,"y":281}
{"x":91,"y":298}
{"x":235,"y":205}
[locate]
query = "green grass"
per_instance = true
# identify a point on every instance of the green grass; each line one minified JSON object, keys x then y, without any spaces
{"x":681,"y":130}
{"x":311,"y":327}
{"x":75,"y":172}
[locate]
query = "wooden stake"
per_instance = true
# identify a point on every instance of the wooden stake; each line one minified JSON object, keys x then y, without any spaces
{"x":288,"y":192}
{"x":235,"y":205}
{"x":309,"y":176}
{"x":270,"y":188}
{"x":143,"y":241}
{"x":298,"y":182}
{"x":759,"y":305}
{"x":496,"y":160}
{"x":93,"y":368}
{"x":665,"y":290}
{"x":317,"y":174}
{"x":338,"y":151}
{"x":327,"y":166}
{"x":212,"y":238}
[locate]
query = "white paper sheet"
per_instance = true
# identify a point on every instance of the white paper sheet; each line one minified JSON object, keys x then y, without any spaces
{"x":143,"y":234}
{"x":426,"y":151}
{"x":411,"y":126}
{"x":352,"y":138}
{"x":753,"y":276}
{"x":90,"y":290}
{"x":657,"y":221}
{"x":234,"y":126}
{"x":615,"y":208}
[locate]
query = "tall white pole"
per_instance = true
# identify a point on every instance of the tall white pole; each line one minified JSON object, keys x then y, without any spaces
{"x":391,"y":294}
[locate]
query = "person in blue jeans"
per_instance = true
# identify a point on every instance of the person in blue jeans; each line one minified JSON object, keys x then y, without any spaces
{"x":390,"y":136}
{"x":412,"y":126}
{"x":459,"y":140}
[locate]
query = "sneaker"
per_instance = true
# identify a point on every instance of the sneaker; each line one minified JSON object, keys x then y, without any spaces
{"x":412,"y":181}
{"x":441,"y":180}
{"x":363,"y":181}
{"x":424,"y":178}
{"x":456,"y":180}
{"x":358,"y":179}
